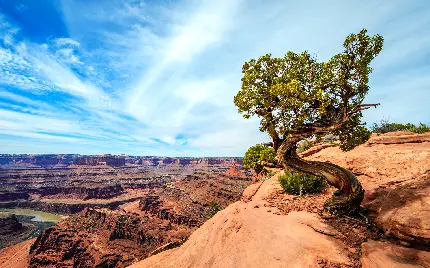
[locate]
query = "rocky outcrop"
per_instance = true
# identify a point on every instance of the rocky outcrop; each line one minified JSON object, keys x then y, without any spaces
{"x":81,"y":192}
{"x":404,"y":211}
{"x":13,"y":231}
{"x":45,"y":161}
{"x":235,"y":173}
{"x":110,"y":160}
{"x":96,"y":238}
{"x":65,"y":208}
{"x":377,"y":254}
{"x":114,"y":238}
{"x":153,"y":205}
{"x":9,"y":225}
{"x":400,"y":137}
{"x":13,"y":195}
{"x":395,"y":173}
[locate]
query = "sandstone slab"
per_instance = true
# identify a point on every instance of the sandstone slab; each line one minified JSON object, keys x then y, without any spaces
{"x":245,"y":235}
{"x":382,"y":255}
{"x":394,"y":169}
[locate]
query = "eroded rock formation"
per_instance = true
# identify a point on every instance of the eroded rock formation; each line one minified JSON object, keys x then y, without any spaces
{"x":164,"y":217}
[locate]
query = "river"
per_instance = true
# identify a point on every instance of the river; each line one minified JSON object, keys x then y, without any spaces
{"x":38,"y":215}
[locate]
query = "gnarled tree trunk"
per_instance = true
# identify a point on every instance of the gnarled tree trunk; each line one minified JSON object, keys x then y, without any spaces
{"x":350,"y":193}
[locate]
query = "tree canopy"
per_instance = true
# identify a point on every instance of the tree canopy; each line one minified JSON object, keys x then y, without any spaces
{"x":299,"y":94}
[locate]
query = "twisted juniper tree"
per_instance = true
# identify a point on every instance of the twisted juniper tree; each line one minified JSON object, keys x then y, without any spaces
{"x":297,"y":97}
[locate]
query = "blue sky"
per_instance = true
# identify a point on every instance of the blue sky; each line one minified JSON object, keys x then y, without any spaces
{"x":158,"y":77}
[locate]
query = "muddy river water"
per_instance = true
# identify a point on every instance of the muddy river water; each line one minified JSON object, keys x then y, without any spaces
{"x":38,"y":215}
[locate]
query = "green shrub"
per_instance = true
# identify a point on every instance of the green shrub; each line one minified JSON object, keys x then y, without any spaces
{"x":257,"y":157}
{"x":421,"y":128}
{"x":385,"y":126}
{"x":214,"y":207}
{"x":298,"y":184}
{"x":303,"y":146}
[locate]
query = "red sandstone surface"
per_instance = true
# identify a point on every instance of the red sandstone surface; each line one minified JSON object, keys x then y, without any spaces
{"x":396,"y":178}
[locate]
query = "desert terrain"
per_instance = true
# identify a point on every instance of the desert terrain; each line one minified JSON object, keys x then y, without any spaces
{"x":112,"y":215}
{"x":172,"y":220}
{"x":268,"y":228}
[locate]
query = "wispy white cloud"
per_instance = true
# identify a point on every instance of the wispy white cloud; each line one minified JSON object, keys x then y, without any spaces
{"x":21,"y":7}
{"x":63,"y":41}
{"x":159,"y":78}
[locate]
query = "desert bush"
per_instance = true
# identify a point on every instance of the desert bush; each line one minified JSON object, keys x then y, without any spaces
{"x":303,"y":146}
{"x":421,"y":128}
{"x":385,"y":126}
{"x":298,"y":184}
{"x":258,"y":157}
{"x":214,"y":207}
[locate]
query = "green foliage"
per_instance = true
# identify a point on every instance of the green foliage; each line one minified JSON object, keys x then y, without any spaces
{"x":297,"y":93}
{"x":214,"y":207}
{"x":352,"y":134}
{"x":420,"y":129}
{"x":257,"y":157}
{"x":304,"y":145}
{"x":385,"y":126}
{"x":298,"y":184}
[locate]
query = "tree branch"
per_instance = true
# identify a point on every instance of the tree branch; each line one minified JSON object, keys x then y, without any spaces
{"x":358,"y":108}
{"x":270,"y":144}
{"x":370,"y":105}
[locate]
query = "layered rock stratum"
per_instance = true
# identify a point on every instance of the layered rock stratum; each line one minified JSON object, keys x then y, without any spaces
{"x":163,"y":218}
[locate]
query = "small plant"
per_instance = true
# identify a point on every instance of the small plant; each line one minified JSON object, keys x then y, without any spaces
{"x":303,"y":146}
{"x":214,"y":207}
{"x":299,"y":184}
